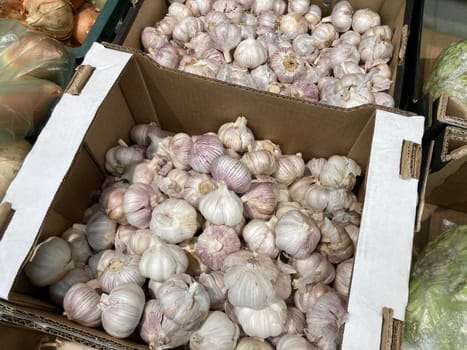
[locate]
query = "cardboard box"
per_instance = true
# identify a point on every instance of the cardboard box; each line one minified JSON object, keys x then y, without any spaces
{"x":19,"y":338}
{"x":66,"y":167}
{"x":395,"y":13}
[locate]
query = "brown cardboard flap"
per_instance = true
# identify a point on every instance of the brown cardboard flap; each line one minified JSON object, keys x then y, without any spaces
{"x":79,"y":79}
{"x":411,"y":158}
{"x":391,"y":332}
{"x":451,"y":110}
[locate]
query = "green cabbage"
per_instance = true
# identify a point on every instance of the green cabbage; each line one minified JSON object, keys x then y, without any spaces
{"x":436,"y":317}
{"x":449,"y":75}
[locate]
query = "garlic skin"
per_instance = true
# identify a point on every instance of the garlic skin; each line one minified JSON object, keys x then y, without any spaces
{"x":174,"y":220}
{"x":325,"y":321}
{"x":178,"y":10}
{"x":291,"y":25}
{"x":298,"y":6}
{"x":260,"y":202}
{"x":184,"y":301}
{"x":236,"y":135}
{"x":206,"y":148}
{"x":250,"y":54}
{"x":217,"y":332}
{"x":294,"y":341}
{"x":247,"y":343}
{"x":99,"y":261}
{"x":138,"y":201}
{"x":232,"y":172}
{"x":323,"y":35}
{"x":289,"y":168}
{"x":186,"y":29}
{"x":339,"y":172}
{"x":196,"y":186}
{"x":76,"y":238}
{"x":335,"y":244}
{"x":225,"y":37}
{"x":341,"y":16}
{"x":263,"y":76}
{"x":261,"y":162}
{"x":199,"y":7}
{"x":260,"y":6}
{"x":121,"y":270}
{"x":100,"y":231}
{"x":365,"y":19}
{"x":287,"y":65}
{"x":167,"y":56}
{"x":249,"y":279}
{"x":139,"y":241}
{"x":153,"y":38}
{"x":306,"y":297}
{"x":141,"y":133}
{"x":260,"y":238}
{"x":177,"y":148}
{"x":313,"y":269}
{"x":162,"y":260}
{"x":58,"y":290}
{"x":266,"y":322}
{"x":122,"y":309}
{"x":297,"y":234}
{"x":233,"y":10}
{"x":215,"y":243}
{"x":118,"y":158}
{"x":343,"y":278}
{"x":213,"y":282}
{"x":221,"y":206}
{"x":50,"y":261}
{"x":80,"y":305}
{"x":158,"y":331}
{"x":313,"y":16}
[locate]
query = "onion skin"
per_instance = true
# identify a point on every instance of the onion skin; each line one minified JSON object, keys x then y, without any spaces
{"x":84,"y":20}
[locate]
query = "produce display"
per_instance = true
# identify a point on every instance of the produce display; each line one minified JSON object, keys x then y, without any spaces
{"x":217,"y":238}
{"x":278,"y":46}
{"x":449,"y":75}
{"x":437,"y":310}
{"x":69,"y":20}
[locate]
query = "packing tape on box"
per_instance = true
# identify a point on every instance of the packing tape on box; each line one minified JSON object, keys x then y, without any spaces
{"x":79,"y":79}
{"x":411,"y":159}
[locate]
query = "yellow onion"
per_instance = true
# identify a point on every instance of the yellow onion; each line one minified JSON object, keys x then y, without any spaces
{"x":84,"y":20}
{"x":11,"y":9}
{"x":11,"y":159}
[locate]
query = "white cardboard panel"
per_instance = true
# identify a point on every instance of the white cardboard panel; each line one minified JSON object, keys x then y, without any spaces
{"x":32,"y":191}
{"x":383,"y":255}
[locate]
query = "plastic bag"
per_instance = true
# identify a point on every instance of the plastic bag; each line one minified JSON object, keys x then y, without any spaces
{"x":437,"y":310}
{"x":34,"y":69}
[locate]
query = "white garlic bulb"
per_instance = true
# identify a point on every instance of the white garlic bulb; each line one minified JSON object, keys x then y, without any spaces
{"x":298,"y":189}
{"x":247,"y":343}
{"x":217,"y":332}
{"x":167,"y":24}
{"x":111,"y":201}
{"x":384,"y":99}
{"x":231,"y":8}
{"x":287,"y":65}
{"x":225,"y":37}
{"x":305,"y":298}
{"x":58,"y":290}
{"x":291,"y":25}
{"x":166,"y":56}
{"x":174,"y":220}
{"x":184,"y":301}
{"x":214,"y":18}
{"x":339,"y":172}
{"x":261,"y":162}
{"x":341,"y":16}
{"x":178,"y":10}
{"x":174,"y":183}
{"x":232,"y":172}
{"x":118,"y":158}
{"x":315,"y":268}
{"x":162,"y":260}
{"x":159,"y":331}
{"x":260,"y":6}
{"x":100,"y":231}
{"x":153,"y":38}
{"x":323,"y":35}
{"x":76,"y":238}
{"x":249,"y":279}
{"x":99,"y":261}
{"x":196,"y":186}
{"x":221,"y":206}
{"x":199,"y":7}
{"x":213,"y":282}
{"x":259,"y":236}
{"x":123,"y":236}
{"x":289,"y":168}
{"x":122,"y":309}
{"x":286,"y":206}
{"x":297,"y":234}
{"x":313,"y":16}
{"x":138,"y":201}
{"x":215,"y":243}
{"x":177,"y":148}
{"x":199,"y":44}
{"x":294,"y":341}
{"x":250,"y":54}
{"x":236,"y":135}
{"x":206,"y":148}
{"x":260,"y":202}
{"x":343,"y":278}
{"x":298,"y":6}
{"x":266,"y":322}
{"x":336,"y":244}
{"x":50,"y":261}
{"x":365,"y":19}
{"x":263,"y":76}
{"x":325,"y":321}
{"x":186,"y":29}
{"x":122,"y":269}
{"x":80,"y":305}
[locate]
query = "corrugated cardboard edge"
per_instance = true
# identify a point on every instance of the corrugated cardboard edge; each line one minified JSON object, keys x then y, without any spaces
{"x":411,"y":160}
{"x":79,"y":79}
{"x":453,"y":134}
{"x":451,"y":111}
{"x":403,"y":47}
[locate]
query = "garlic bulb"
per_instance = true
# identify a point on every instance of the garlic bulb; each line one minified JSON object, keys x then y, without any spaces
{"x":122,"y":269}
{"x":236,"y":135}
{"x":298,"y":189}
{"x":159,"y":331}
{"x":260,"y":238}
{"x":80,"y":305}
{"x":349,"y":37}
{"x":153,"y":38}
{"x":286,"y":206}
{"x":336,"y":244}
{"x":313,"y":269}
{"x":50,"y":261}
{"x":217,"y":332}
{"x":221,"y":206}
{"x":384,"y":99}
{"x":249,"y":279}
{"x":303,"y":46}
{"x":195,"y":265}
{"x":325,"y":321}
{"x":289,"y":168}
{"x":203,"y":67}
{"x":298,"y":6}
{"x":199,"y":44}
{"x":162,"y":260}
{"x":141,"y":133}
{"x":138,"y":201}
{"x":339,"y":172}
{"x":232,"y":172}
{"x":99,"y":262}
{"x":100,"y":231}
{"x":343,"y":278}
{"x":261,"y":162}
{"x":250,"y":54}
{"x":287,"y":65}
{"x":306,"y":297}
{"x":199,"y":7}
{"x":374,"y":51}
{"x":213,"y":282}
{"x":184,"y":301}
{"x":303,"y":89}
{"x":263,"y":76}
{"x":291,"y":25}
{"x":260,"y":6}
{"x":111,"y":202}
{"x":247,"y":343}
{"x":346,"y":68}
{"x":225,"y":37}
{"x":122,"y":237}
{"x":341,"y":16}
{"x":266,"y":322}
{"x":313,"y":16}
{"x":139,"y":241}
{"x":186,"y":29}
{"x":268,"y":19}
{"x":295,"y":323}
{"x":118,"y":158}
{"x":177,"y":148}
{"x":297,"y":234}
{"x":174,"y":220}
{"x":76,"y":238}
{"x":233,"y":10}
{"x":196,"y":186}
{"x":294,"y":341}
{"x":214,"y":18}
{"x":206,"y":148}
{"x":215,"y":243}
{"x":166,"y":56}
{"x":323,"y":35}
{"x":167,"y":24}
{"x":365,"y":19}
{"x":260,"y":202}
{"x":122,"y":309}
{"x":178,"y":10}
{"x":173,"y":184}
{"x":141,"y":172}
{"x":58,"y":290}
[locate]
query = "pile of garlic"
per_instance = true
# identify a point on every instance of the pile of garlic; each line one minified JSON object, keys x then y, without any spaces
{"x":215,"y":240}
{"x":279,"y":46}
